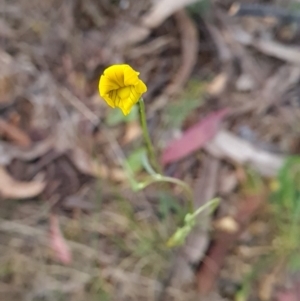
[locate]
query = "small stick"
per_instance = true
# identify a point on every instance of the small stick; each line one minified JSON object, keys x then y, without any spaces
{"x":263,"y":11}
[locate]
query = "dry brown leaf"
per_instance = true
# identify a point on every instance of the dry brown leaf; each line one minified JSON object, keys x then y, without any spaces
{"x":58,"y":243}
{"x":13,"y":189}
{"x":14,"y":134}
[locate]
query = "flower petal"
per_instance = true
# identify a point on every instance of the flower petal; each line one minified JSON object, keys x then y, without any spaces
{"x":134,"y":94}
{"x":130,"y":76}
{"x":126,"y":104}
{"x":141,"y":87}
{"x":109,"y":101}
{"x":106,"y":85}
{"x":115,"y":74}
{"x":112,"y":98}
{"x":121,"y":87}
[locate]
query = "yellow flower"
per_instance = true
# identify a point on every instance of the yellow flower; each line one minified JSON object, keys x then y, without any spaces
{"x":121,"y":87}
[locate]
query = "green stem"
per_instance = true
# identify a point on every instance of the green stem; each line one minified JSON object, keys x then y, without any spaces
{"x":159,"y":178}
{"x":147,"y":138}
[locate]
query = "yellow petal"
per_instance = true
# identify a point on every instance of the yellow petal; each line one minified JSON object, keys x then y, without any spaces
{"x":113,"y":98}
{"x":106,"y":85}
{"x":115,"y":74}
{"x":121,"y":87}
{"x":130,"y":76}
{"x":141,"y":87}
{"x":134,"y":95}
{"x":126,"y":104}
{"x":125,"y":109}
{"x":109,"y":101}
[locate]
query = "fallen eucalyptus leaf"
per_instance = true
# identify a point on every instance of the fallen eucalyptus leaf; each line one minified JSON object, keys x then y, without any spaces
{"x":13,"y":189}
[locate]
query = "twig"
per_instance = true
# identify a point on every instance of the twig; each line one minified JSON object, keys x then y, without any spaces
{"x":189,"y":51}
{"x":286,"y":53}
{"x":261,"y":10}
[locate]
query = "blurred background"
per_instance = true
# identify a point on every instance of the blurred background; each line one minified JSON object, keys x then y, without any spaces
{"x":223,"y":83}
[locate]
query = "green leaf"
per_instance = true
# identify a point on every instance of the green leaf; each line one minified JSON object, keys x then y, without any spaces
{"x":289,"y":184}
{"x":190,"y":220}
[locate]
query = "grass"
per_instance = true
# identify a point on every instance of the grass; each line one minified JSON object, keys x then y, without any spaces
{"x":286,"y":211}
{"x":119,"y":249}
{"x":284,"y":219}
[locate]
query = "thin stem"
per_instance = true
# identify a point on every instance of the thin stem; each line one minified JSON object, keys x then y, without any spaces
{"x":159,"y":178}
{"x":147,"y":138}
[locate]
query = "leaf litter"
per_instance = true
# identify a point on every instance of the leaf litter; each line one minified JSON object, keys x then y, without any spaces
{"x":60,"y":148}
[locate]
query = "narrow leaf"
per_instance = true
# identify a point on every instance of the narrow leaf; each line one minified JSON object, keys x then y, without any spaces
{"x":194,"y":138}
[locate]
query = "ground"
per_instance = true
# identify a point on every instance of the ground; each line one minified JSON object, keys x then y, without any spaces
{"x":223,"y":113}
